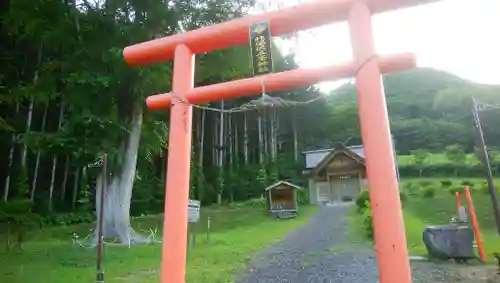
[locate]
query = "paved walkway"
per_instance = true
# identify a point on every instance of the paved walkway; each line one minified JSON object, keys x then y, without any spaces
{"x":320,"y":252}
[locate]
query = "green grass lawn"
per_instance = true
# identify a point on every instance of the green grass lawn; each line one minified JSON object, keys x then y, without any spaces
{"x":421,"y":212}
{"x":49,"y":255}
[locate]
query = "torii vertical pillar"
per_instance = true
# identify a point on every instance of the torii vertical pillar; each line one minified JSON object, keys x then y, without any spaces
{"x":175,"y":223}
{"x":390,"y":247}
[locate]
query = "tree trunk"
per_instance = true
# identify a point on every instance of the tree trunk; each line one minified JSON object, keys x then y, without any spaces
{"x":38,"y":155}
{"x":75,"y":188}
{"x":245,"y":138}
{"x":215,"y":151}
{"x":54,"y":161}
{"x":221,"y":157}
{"x":65,"y":178}
{"x":261,"y":139}
{"x":11,"y":161}
{"x":118,"y":193}
{"x":295,"y":138}
{"x":265,"y":136}
{"x":200,"y":154}
{"x":274,"y":132}
{"x":231,"y":156}
{"x":24,"y":151}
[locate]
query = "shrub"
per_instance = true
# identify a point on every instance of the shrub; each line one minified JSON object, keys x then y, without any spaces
{"x":302,"y":197}
{"x":402,"y":197}
{"x":411,"y":188}
{"x":254,"y":202}
{"x":63,"y":219}
{"x":467,"y":183}
{"x":428,"y":191}
{"x":425,"y":183}
{"x":18,"y":220}
{"x":362,"y":199}
{"x":456,"y":189}
{"x":367,"y":220}
{"x":446,"y":183}
{"x":484,"y":188}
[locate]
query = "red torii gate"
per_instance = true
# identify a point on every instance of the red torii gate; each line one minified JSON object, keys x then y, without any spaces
{"x":390,"y":239}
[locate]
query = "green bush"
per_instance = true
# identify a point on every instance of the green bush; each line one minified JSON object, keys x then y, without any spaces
{"x":402,"y":197}
{"x":302,"y":197}
{"x":446,"y":183}
{"x":362,"y":199}
{"x":467,"y":183}
{"x":428,"y":191}
{"x":411,"y":189}
{"x":484,"y":188}
{"x":425,"y":183}
{"x":456,"y":189}
{"x":254,"y":202}
{"x":63,"y":219}
{"x":367,"y":220}
{"x":17,"y":220}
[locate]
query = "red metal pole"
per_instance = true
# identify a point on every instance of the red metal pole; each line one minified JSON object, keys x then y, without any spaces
{"x":475,"y":224}
{"x":389,"y":231}
{"x":173,"y":266}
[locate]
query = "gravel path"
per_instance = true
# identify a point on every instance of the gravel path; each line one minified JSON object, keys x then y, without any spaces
{"x":320,"y":252}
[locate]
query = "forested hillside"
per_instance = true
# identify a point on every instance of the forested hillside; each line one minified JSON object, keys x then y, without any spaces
{"x":67,"y":97}
{"x":428,"y":109}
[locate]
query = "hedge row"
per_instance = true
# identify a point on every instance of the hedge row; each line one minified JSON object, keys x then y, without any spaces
{"x":446,"y":170}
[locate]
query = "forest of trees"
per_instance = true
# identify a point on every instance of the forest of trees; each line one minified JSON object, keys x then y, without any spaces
{"x":67,"y":97}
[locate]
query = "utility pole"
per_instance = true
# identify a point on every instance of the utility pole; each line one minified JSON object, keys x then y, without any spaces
{"x":486,"y":163}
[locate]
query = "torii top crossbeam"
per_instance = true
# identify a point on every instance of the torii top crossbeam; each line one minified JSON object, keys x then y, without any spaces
{"x":389,"y":232}
{"x":235,"y":32}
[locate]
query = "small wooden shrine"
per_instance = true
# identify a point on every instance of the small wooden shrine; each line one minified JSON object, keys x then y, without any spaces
{"x":282,"y":199}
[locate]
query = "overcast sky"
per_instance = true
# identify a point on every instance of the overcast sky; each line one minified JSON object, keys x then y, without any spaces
{"x":458,"y":36}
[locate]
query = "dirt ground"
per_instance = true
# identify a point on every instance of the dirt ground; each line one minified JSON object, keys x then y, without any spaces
{"x":476,"y":273}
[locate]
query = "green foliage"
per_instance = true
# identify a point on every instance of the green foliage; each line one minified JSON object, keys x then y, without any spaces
{"x":446,"y":183}
{"x":467,"y":183}
{"x":411,"y":188}
{"x":20,"y":182}
{"x":367,"y":220}
{"x":483,"y":188}
{"x":17,"y":220}
{"x":402,"y":196}
{"x":262,"y":178}
{"x":303,"y":197}
{"x":64,"y":219}
{"x":455,"y":189}
{"x":253,"y":203}
{"x":362,"y":199}
{"x":428,"y":191}
{"x":425,"y":183}
{"x":455,"y":153}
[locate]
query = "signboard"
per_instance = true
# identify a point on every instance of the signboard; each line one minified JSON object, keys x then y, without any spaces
{"x":193,"y":211}
{"x":260,"y":47}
